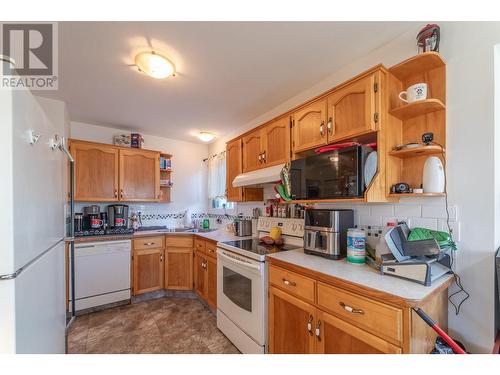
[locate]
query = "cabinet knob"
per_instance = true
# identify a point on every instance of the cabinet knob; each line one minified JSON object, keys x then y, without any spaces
{"x":351,"y":309}
{"x":116,"y":193}
{"x":318,"y":330}
{"x":309,"y":325}
{"x":288,"y":282}
{"x":264,"y":156}
{"x":322,"y":128}
{"x":329,"y":126}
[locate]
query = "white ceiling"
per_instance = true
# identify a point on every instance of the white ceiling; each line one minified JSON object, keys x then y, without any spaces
{"x":228,"y":72}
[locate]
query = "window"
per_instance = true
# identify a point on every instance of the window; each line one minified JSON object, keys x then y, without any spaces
{"x":217,"y":182}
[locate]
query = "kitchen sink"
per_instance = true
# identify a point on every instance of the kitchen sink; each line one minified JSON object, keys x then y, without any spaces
{"x":186,"y":230}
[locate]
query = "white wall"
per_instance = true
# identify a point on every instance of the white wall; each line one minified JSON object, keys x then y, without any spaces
{"x":474,"y":184}
{"x":189,"y":172}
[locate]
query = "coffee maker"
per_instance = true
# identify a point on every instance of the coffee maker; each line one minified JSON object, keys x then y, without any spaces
{"x":118,"y":216}
{"x":91,"y":219}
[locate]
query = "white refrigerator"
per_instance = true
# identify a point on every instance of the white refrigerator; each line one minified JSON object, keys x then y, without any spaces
{"x":32,"y":225}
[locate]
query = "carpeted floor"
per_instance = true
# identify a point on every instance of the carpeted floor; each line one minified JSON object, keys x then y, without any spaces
{"x":163,"y":325}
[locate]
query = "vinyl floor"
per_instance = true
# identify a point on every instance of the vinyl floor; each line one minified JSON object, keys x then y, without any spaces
{"x":169,"y":325}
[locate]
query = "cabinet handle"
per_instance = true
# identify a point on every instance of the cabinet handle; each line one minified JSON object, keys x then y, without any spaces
{"x":309,"y":325}
{"x":122,"y":194}
{"x":260,"y":158}
{"x":149,"y":244}
{"x":161,"y":258}
{"x":210,"y":250}
{"x":329,"y":125}
{"x":288,"y":282}
{"x":351,"y":309}
{"x":318,"y":330}
{"x":322,"y":128}
{"x":116,"y":193}
{"x":264,"y":156}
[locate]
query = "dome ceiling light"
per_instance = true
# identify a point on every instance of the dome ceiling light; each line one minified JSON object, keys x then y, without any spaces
{"x":155,"y":65}
{"x":206,"y":136}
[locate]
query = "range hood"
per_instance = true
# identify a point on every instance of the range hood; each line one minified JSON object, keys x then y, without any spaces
{"x":259,"y":177}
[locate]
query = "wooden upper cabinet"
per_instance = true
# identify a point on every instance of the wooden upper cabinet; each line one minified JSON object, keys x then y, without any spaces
{"x":335,"y":336}
{"x":96,"y":171}
{"x":139,"y":175}
{"x":309,"y":126}
{"x":233,"y":169}
{"x":352,"y":109}
{"x":291,"y":324}
{"x":276,"y":142}
{"x":253,"y":151}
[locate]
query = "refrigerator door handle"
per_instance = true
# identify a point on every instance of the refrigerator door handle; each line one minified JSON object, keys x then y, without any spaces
{"x":11,"y":276}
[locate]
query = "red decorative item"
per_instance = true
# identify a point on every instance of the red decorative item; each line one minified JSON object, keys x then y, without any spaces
{"x":428,"y":38}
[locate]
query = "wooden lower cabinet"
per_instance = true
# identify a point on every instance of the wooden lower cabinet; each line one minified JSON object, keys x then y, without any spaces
{"x":211,"y":273}
{"x":308,"y":315}
{"x":335,"y":336}
{"x":199,"y":274}
{"x":290,"y":324}
{"x":205,"y":271}
{"x":148,"y":270}
{"x":179,"y":268}
{"x":298,"y":327}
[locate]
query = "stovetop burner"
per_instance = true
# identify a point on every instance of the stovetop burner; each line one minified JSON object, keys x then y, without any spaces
{"x":253,"y":245}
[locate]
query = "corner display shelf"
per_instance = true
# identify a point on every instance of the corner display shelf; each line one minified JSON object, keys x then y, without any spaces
{"x":422,"y":107}
{"x":410,"y":121}
{"x":166,"y":174}
{"x":417,"y":151}
{"x":414,"y":195}
{"x":417,"y":64}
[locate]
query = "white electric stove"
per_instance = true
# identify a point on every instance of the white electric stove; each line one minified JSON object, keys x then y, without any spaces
{"x":242,"y":283}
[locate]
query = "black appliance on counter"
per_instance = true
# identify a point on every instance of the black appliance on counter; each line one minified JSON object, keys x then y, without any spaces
{"x":91,"y":219}
{"x":95,"y":223}
{"x":118,"y":216}
{"x":330,"y":175}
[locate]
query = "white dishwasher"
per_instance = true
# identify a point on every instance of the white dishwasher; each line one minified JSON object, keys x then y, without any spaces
{"x":102,"y":273}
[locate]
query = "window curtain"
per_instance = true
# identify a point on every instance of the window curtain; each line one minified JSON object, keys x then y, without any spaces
{"x":217,"y":176}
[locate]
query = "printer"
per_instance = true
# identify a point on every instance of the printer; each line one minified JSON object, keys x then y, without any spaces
{"x":417,"y":256}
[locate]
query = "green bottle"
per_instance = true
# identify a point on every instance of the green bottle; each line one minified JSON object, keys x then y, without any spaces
{"x":206,"y":224}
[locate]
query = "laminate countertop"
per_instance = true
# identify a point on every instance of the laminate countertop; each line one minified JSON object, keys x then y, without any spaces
{"x":218,"y":235}
{"x":362,"y":277}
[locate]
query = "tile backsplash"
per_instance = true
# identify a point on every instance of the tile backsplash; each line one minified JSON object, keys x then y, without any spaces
{"x":425,"y":214}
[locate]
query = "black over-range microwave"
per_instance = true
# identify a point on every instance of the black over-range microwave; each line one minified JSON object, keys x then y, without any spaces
{"x":330,"y":175}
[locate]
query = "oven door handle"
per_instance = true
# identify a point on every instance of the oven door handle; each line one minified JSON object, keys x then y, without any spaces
{"x":240,"y":262}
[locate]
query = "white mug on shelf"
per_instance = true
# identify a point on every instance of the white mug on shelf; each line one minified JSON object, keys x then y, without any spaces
{"x":414,"y":93}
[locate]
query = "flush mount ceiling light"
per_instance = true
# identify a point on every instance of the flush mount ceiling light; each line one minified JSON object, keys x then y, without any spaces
{"x":155,"y":65}
{"x":206,"y":136}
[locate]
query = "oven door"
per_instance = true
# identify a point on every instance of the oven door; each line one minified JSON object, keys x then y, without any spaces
{"x":241,"y":292}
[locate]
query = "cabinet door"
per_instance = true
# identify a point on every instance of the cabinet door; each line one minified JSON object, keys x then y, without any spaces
{"x":335,"y":336}
{"x":139,"y":175}
{"x":290,"y":324}
{"x":233,"y":169}
{"x":200,"y":285}
{"x":148,"y":270}
{"x":179,"y":268}
{"x":351,"y":109}
{"x":211,"y":279}
{"x":96,"y":172}
{"x":309,"y":126}
{"x":252,"y":151}
{"x":276,"y":142}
